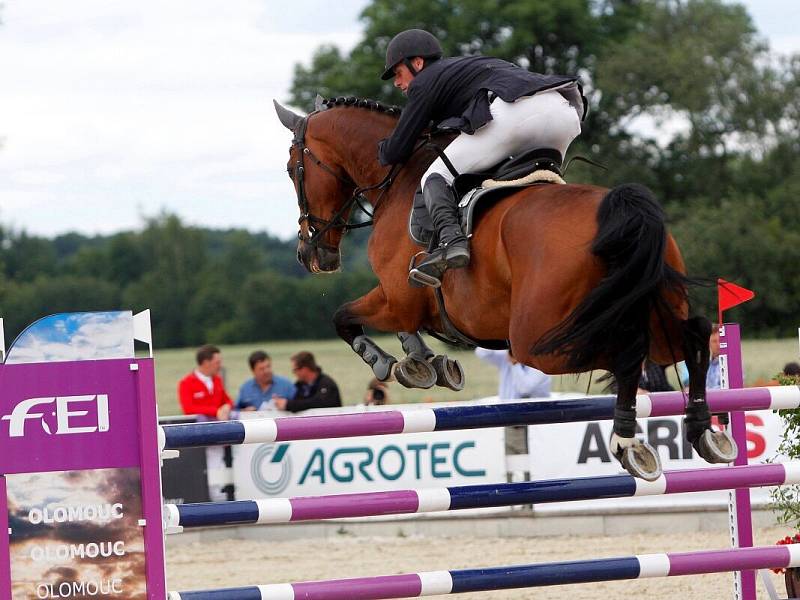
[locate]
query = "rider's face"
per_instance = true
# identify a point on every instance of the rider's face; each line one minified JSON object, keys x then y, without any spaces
{"x":403,"y":75}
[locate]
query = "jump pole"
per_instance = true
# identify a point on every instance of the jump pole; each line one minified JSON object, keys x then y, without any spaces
{"x":599,"y":408}
{"x":340,"y":506}
{"x":414,"y":585}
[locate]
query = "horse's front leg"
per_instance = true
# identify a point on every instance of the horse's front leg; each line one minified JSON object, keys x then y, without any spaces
{"x":349,"y":321}
{"x":449,"y":372}
{"x":713,"y":446}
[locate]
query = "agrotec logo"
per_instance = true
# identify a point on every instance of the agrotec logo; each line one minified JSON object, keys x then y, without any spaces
{"x":71,"y":413}
{"x":271,"y":468}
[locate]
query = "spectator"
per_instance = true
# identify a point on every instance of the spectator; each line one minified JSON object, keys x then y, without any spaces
{"x":516,"y":380}
{"x":713,"y":374}
{"x":791,"y":369}
{"x":264,"y":387}
{"x":653,"y":378}
{"x":202,"y":392}
{"x":377,"y":393}
{"x":313,"y":389}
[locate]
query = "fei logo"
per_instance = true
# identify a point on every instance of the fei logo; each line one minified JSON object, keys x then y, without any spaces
{"x":65,"y":413}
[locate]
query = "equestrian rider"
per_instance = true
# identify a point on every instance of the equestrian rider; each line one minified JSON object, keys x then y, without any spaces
{"x":501,"y":110}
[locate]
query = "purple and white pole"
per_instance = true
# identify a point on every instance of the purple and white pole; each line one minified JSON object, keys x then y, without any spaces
{"x":435,"y":583}
{"x":596,"y":408}
{"x":370,"y":504}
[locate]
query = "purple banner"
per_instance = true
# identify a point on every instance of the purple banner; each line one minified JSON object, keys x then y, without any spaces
{"x":68,"y":416}
{"x":81,"y":417}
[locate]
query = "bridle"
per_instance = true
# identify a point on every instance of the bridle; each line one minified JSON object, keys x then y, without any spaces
{"x":317,"y":226}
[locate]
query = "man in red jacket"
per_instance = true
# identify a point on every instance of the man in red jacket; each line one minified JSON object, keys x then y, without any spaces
{"x":201,"y":392}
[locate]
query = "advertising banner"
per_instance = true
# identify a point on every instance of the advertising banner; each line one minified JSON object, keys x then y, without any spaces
{"x":369,"y":464}
{"x":570,"y":450}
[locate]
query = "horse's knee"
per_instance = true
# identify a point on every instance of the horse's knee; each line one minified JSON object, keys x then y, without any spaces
{"x":347,"y":323}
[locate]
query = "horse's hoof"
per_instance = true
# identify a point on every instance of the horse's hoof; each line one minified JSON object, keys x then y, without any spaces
{"x":449,"y":373}
{"x":716,"y":447}
{"x":637,"y":457}
{"x":414,"y":372}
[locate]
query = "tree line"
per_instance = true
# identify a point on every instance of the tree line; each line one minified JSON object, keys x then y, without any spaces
{"x":202,"y":285}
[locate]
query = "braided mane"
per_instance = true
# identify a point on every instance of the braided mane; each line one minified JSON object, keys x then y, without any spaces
{"x":375,"y":105}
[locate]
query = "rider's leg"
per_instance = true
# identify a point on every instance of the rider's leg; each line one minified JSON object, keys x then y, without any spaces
{"x":543,"y":120}
{"x":453,"y":251}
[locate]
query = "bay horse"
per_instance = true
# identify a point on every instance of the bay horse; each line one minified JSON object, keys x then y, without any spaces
{"x":574,"y":277}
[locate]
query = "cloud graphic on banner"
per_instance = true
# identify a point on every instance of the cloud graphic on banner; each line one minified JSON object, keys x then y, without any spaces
{"x":81,"y":511}
{"x":75,"y":336}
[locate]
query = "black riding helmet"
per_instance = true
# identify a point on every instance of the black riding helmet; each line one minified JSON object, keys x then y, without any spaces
{"x":408,"y":44}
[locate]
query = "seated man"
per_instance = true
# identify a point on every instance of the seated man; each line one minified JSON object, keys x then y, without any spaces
{"x":313,"y":389}
{"x":264,"y":387}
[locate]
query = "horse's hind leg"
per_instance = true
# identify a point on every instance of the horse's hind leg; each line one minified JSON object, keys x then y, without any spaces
{"x":637,"y":457}
{"x":448,"y":372}
{"x":713,"y":446}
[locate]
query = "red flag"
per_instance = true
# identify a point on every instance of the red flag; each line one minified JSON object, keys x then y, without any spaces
{"x":731,"y":295}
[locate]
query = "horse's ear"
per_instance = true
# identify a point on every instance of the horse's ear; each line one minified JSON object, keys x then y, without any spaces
{"x":319,"y":103}
{"x":287,"y":118}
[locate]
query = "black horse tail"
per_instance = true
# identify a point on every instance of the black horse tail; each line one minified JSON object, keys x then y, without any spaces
{"x":613,"y":320}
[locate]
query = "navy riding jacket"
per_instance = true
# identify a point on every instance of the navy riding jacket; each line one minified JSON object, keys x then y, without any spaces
{"x":454,"y":93}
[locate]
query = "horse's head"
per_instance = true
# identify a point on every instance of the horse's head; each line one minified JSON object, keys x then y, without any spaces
{"x":323,"y":188}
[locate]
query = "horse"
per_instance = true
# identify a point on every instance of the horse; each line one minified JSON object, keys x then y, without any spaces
{"x":574,"y":277}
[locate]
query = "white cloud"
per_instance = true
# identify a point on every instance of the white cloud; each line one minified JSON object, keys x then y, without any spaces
{"x":114,"y":109}
{"x":75,"y":336}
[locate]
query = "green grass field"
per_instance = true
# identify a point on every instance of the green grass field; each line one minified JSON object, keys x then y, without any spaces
{"x":762,"y":360}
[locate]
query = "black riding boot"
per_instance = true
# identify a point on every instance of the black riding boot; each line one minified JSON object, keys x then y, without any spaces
{"x":453,"y":250}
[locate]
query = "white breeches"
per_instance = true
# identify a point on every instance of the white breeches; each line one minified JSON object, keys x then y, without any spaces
{"x":544,"y":120}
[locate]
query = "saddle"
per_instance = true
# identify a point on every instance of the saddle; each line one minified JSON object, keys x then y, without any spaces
{"x":482,"y":189}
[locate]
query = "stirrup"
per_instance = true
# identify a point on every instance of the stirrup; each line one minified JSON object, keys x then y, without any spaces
{"x":417,"y":278}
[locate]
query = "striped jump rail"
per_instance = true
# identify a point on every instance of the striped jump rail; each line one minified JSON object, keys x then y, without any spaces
{"x":285,"y":510}
{"x":435,"y":583}
{"x":598,"y":408}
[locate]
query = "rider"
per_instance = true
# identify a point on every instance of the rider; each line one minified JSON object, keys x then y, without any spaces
{"x":500,"y":108}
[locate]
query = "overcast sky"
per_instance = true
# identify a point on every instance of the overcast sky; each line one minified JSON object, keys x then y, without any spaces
{"x":111,"y":110}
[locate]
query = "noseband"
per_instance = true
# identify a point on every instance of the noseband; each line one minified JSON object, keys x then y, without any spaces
{"x":341,"y":218}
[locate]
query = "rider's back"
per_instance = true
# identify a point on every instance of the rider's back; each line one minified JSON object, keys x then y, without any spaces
{"x":455,"y":88}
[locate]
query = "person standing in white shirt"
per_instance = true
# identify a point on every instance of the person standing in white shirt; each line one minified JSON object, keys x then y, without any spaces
{"x":516,"y":381}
